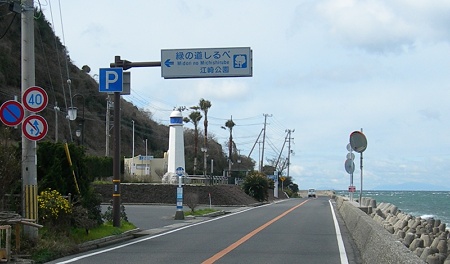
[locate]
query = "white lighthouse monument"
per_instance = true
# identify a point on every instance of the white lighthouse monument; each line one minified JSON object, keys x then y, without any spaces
{"x":176,"y":147}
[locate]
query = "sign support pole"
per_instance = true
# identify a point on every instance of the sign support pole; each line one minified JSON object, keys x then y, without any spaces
{"x":29,"y":168}
{"x":116,"y":161}
{"x":125,"y":65}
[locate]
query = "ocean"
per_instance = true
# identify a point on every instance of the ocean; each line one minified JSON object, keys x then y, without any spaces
{"x":425,"y":204}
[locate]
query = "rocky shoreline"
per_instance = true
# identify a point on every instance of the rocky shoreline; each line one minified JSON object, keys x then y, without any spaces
{"x":426,"y":238}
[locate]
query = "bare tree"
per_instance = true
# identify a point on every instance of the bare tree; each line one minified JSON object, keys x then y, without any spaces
{"x":191,"y":200}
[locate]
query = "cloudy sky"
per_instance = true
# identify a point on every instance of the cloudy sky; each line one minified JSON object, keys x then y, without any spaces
{"x":321,"y":68}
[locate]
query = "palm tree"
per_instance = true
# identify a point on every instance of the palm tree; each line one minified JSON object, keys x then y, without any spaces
{"x":204,"y":106}
{"x":230,"y":124}
{"x":194,"y":118}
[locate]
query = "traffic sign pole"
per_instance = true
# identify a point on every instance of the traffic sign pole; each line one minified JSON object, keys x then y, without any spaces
{"x":125,"y":65}
{"x":241,"y":61}
{"x":179,"y":214}
{"x":29,"y":168}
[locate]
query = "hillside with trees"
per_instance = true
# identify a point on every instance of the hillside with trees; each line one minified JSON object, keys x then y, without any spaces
{"x":67,"y":86}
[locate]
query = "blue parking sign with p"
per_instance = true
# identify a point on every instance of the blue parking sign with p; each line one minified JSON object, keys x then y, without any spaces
{"x":111,"y":80}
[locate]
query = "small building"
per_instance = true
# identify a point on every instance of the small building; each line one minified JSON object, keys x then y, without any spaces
{"x":145,"y":168}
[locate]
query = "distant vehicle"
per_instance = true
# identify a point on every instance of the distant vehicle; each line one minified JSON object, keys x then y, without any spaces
{"x":311,"y":193}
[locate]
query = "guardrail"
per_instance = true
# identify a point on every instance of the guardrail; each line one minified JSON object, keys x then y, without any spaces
{"x":202,"y":180}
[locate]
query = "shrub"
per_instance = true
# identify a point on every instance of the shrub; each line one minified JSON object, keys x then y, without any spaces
{"x":108,"y":215}
{"x":256,"y":185}
{"x":54,"y":210}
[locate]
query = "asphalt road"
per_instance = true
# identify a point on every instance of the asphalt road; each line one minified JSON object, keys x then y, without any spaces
{"x":291,"y":231}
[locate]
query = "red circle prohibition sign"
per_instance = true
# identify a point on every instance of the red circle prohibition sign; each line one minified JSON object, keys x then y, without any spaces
{"x":34,"y":127}
{"x":35,"y":99}
{"x":11,"y":113}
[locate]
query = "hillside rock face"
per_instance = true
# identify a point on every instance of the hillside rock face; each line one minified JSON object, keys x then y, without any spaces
{"x":224,"y":195}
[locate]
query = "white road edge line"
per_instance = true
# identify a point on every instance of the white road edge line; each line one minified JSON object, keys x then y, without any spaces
{"x":155,"y":236}
{"x":341,"y":246}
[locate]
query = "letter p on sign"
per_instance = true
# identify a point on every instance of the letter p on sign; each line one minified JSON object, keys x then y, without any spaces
{"x":111,"y":80}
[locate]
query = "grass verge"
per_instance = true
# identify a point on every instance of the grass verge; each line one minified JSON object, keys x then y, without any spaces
{"x":200,"y":212}
{"x":52,"y":245}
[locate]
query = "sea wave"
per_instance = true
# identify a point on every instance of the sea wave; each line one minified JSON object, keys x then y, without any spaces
{"x":426,"y":204}
{"x":427,"y":216}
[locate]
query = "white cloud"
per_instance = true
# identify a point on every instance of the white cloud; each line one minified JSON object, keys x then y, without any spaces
{"x":384,"y":26}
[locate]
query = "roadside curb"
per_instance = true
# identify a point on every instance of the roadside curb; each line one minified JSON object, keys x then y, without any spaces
{"x":109,"y":240}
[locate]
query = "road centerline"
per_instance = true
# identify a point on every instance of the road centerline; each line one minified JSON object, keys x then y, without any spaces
{"x":242,"y":240}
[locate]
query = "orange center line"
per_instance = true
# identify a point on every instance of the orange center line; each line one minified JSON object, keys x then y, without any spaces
{"x":231,"y":247}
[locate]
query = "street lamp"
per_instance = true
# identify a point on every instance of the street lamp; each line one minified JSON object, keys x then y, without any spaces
{"x":72,"y":115}
{"x":204,"y":150}
{"x":146,"y":164}
{"x":78,"y":134}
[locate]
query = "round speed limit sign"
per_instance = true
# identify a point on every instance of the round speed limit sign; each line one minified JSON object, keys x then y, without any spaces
{"x":35,"y":99}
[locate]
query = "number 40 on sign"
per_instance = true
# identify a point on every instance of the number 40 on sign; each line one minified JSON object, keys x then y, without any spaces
{"x":35,"y":99}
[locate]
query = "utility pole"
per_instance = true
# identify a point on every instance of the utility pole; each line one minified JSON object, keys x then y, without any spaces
{"x":264,"y":139}
{"x":230,"y":147}
{"x":29,"y":168}
{"x":133,"y":167}
{"x":56,"y":121}
{"x":289,"y":149}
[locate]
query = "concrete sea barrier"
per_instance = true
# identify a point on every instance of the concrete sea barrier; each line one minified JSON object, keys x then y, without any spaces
{"x":384,"y":234}
{"x":426,"y":238}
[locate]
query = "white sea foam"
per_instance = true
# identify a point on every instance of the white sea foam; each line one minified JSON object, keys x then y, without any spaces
{"x":427,"y":216}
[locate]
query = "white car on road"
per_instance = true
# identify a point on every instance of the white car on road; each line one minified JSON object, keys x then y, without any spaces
{"x":311,"y":193}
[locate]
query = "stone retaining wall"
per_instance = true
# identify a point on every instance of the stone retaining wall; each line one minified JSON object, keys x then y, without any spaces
{"x":375,"y":243}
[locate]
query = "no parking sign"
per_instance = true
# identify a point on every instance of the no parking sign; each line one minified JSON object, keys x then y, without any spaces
{"x":34,"y":99}
{"x":11,"y":113}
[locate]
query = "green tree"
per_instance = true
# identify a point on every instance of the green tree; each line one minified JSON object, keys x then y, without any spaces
{"x":10,"y":174}
{"x":256,"y":185}
{"x":55,"y":172}
{"x":204,"y":106}
{"x":194,"y":118}
{"x":230,"y":124}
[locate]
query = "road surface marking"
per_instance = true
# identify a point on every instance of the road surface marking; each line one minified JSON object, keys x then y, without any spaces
{"x":341,"y":246}
{"x":155,"y":236}
{"x":248,"y":236}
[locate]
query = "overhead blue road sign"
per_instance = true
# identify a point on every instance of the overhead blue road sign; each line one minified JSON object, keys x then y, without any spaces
{"x":206,"y":63}
{"x":111,"y":80}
